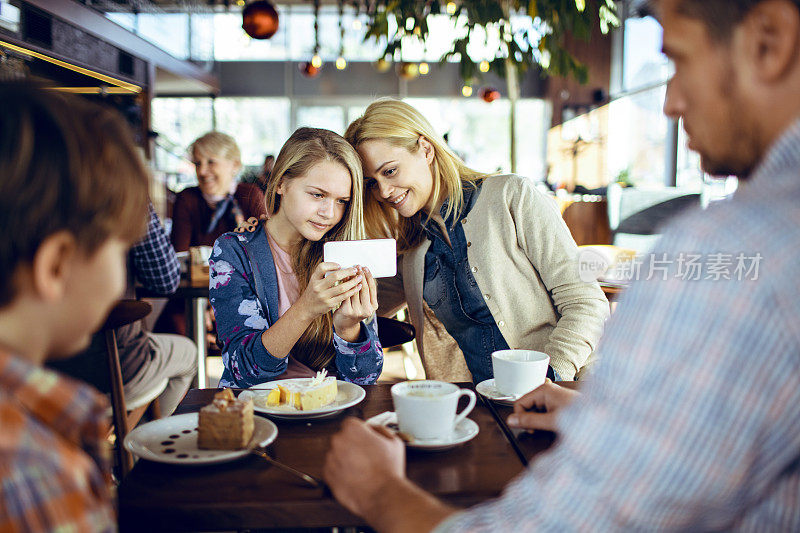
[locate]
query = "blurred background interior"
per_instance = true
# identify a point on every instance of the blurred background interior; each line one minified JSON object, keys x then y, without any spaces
{"x":178,"y":68}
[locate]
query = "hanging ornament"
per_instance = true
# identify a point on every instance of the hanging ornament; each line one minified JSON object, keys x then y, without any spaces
{"x":316,"y":60}
{"x":383,"y":65}
{"x":341,"y":62}
{"x":408,"y":71}
{"x":489,"y":94}
{"x":260,"y":19}
{"x":309,"y":70}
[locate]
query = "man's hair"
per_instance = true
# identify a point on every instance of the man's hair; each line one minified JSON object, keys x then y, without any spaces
{"x":720,"y":17}
{"x":65,"y":164}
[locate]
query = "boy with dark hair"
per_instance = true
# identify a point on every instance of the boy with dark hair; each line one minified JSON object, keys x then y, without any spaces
{"x":73,"y":198}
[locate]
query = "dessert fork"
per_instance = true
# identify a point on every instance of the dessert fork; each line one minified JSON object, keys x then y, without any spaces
{"x":308,"y":478}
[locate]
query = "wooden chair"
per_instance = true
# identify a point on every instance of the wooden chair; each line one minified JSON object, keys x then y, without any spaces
{"x":393,"y":332}
{"x":126,"y":416}
{"x":588,"y":222}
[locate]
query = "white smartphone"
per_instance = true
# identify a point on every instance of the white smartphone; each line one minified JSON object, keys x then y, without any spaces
{"x":378,"y":255}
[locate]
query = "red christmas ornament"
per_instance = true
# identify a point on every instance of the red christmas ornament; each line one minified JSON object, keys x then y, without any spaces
{"x":309,"y":70}
{"x":259,"y":19}
{"x":489,"y":94}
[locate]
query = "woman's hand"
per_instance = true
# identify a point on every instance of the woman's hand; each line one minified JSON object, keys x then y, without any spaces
{"x":326,"y":293}
{"x":539,"y":408}
{"x":360,"y":306}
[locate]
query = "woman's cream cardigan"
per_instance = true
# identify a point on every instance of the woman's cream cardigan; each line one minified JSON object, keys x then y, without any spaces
{"x":525,"y":262}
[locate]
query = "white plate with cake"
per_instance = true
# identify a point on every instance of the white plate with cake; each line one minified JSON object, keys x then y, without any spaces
{"x":222,"y":431}
{"x":315,"y":397}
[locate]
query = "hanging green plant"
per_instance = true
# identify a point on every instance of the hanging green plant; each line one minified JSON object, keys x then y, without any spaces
{"x":540,"y":44}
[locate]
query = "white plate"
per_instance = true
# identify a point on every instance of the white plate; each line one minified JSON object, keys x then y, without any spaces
{"x":488,"y":389}
{"x":347,"y":395}
{"x":174,"y":440}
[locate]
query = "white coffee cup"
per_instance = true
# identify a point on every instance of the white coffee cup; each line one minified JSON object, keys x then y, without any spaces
{"x":426,"y":409}
{"x":519,"y":371}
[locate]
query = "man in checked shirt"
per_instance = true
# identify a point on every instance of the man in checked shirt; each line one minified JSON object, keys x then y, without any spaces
{"x":691,"y":420}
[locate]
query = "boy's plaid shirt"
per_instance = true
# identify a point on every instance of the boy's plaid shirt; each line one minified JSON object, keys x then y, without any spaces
{"x":54,"y":460}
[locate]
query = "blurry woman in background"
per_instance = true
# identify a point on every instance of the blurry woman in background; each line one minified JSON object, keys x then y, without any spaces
{"x":218,"y":204}
{"x":201,"y":214}
{"x":281,"y":311}
{"x":490,"y":255}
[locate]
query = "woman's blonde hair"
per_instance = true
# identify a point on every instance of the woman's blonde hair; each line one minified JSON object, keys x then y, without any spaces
{"x":217,"y":143}
{"x":400,"y":124}
{"x":304,"y":149}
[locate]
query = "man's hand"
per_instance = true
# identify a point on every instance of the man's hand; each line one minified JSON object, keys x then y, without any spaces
{"x":361,"y":464}
{"x":539,"y":408}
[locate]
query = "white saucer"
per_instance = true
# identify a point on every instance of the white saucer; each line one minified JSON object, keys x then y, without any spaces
{"x":174,"y":440}
{"x":347,"y":395}
{"x":487,"y":389}
{"x":465,"y":431}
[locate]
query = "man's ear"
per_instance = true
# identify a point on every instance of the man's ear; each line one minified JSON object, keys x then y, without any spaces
{"x":427,"y":149}
{"x":52,"y":265}
{"x":770,"y":36}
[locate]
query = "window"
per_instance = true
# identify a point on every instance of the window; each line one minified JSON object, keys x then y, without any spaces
{"x":168,"y":31}
{"x":637,"y":133}
{"x":479,"y":131}
{"x":643,"y":62}
{"x":179,"y":121}
{"x":259,"y":125}
{"x":9,"y":16}
{"x":321,"y":116}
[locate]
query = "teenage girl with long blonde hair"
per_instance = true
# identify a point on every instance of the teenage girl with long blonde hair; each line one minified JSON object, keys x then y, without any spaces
{"x":281,"y":311}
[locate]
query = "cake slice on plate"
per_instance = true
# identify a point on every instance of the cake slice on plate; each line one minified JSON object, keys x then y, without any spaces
{"x":320,"y":391}
{"x":226,"y":423}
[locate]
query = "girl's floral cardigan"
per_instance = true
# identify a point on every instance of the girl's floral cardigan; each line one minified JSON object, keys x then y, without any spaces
{"x":241,"y":262}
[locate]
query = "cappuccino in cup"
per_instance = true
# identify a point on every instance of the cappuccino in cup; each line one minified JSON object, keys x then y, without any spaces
{"x":426,"y":409}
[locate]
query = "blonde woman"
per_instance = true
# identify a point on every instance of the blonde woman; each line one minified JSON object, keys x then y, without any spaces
{"x":490,"y":255}
{"x":282,"y":312}
{"x":218,"y":204}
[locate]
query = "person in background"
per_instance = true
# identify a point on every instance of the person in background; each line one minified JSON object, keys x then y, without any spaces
{"x":281,"y":311}
{"x":691,"y":421}
{"x":266,"y":172}
{"x":145,"y":357}
{"x":218,"y":204}
{"x":201,"y":214}
{"x":490,"y":255}
{"x":70,"y":207}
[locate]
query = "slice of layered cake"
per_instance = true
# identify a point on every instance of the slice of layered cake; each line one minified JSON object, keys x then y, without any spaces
{"x":226,"y":423}
{"x":318,"y":392}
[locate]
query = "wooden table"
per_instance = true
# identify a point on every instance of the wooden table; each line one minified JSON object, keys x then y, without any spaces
{"x":195,"y":298}
{"x":250,"y":493}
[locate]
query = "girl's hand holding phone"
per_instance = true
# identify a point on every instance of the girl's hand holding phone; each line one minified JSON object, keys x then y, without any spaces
{"x":328,"y":287}
{"x":360,"y":306}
